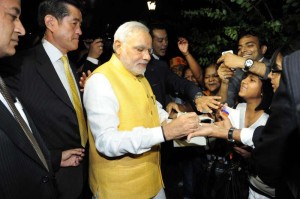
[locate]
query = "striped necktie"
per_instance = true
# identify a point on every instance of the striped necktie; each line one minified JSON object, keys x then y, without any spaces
{"x":76,"y":101}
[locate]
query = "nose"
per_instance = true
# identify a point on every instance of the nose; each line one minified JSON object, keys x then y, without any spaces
{"x":79,"y":31}
{"x":270,"y":75}
{"x":146,"y":55}
{"x":19,"y":28}
{"x":165,"y":42}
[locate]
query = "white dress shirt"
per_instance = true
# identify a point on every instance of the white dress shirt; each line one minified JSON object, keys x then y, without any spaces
{"x":55,"y":57}
{"x":102,"y":109}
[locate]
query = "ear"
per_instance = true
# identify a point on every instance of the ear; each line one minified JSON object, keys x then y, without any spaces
{"x":118,"y":46}
{"x":263,"y":49}
{"x":50,"y":22}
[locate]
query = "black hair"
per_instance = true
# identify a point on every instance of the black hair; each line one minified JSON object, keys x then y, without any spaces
{"x":156,"y":25}
{"x":253,"y":33}
{"x":267,"y":94}
{"x":292,"y":45}
{"x":56,"y":8}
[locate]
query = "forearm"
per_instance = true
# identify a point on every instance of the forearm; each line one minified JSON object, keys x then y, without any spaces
{"x":223,"y":91}
{"x":220,"y":132}
{"x":259,"y":68}
{"x":195,"y":67}
{"x":139,"y":140}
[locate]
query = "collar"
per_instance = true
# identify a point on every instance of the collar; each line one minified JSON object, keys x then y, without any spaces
{"x":53,"y":53}
{"x":155,"y":56}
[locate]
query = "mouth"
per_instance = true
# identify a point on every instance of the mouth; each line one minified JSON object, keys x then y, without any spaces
{"x":243,"y":88}
{"x":16,"y":41}
{"x":143,"y":64}
{"x":247,"y":56}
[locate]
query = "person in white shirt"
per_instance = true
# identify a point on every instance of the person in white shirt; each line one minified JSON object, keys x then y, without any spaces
{"x":125,"y":121}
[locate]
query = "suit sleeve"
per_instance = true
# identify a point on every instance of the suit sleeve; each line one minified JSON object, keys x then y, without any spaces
{"x":88,"y":65}
{"x":181,"y":85}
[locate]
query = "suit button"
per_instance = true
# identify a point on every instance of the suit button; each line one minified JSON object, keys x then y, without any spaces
{"x":45,"y":179}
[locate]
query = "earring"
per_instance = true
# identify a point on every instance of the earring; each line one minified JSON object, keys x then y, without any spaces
{"x":261,"y":95}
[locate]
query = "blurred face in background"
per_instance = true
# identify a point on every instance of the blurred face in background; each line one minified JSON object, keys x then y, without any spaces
{"x":159,"y":42}
{"x":275,"y":73}
{"x":190,"y":76}
{"x":211,"y":79}
{"x":249,"y":47}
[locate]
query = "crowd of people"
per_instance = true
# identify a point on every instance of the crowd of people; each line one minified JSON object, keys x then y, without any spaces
{"x":109,"y":134}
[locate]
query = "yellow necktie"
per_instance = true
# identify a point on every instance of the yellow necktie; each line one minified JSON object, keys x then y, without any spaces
{"x":76,"y":102}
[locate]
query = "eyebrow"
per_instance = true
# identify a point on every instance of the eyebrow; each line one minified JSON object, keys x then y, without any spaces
{"x":15,"y":9}
{"x":77,"y":19}
{"x":250,"y":42}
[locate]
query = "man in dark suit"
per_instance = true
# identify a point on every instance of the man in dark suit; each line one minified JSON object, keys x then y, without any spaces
{"x":25,"y":166}
{"x":277,"y":144}
{"x":47,"y":86}
{"x":163,"y":81}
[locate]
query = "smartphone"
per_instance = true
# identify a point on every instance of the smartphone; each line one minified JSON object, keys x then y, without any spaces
{"x":227,"y":51}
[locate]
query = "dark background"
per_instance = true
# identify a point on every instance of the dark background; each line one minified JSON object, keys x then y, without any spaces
{"x":106,"y":15}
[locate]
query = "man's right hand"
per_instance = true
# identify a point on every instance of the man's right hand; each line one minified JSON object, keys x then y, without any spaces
{"x":72,"y":157}
{"x":181,"y":126}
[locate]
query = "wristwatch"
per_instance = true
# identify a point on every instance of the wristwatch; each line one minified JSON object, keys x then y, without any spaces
{"x":230,"y":135}
{"x":199,"y":94}
{"x":248,"y":64}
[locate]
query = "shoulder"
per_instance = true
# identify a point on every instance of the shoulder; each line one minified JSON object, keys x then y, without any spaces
{"x":241,"y":106}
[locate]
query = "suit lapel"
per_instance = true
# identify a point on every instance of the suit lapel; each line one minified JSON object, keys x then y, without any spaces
{"x":48,"y":73}
{"x":15,"y":133}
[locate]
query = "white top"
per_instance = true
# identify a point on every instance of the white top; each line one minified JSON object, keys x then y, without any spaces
{"x":247,"y":133}
{"x":102,"y":109}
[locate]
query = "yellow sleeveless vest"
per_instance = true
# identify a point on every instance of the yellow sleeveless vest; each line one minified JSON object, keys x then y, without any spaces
{"x":129,"y":176}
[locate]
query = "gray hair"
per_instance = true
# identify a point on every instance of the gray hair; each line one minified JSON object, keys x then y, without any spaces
{"x":126,"y":30}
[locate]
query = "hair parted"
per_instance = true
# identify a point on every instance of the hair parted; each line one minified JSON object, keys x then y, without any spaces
{"x":56,"y":8}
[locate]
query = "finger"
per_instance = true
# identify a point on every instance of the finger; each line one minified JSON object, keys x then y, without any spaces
{"x":78,"y":151}
{"x":215,"y":97}
{"x":205,"y":109}
{"x":190,"y":136}
{"x":221,"y":59}
{"x":213,"y":104}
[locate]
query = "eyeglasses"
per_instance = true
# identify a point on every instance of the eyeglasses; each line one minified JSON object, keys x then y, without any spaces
{"x":276,"y":71}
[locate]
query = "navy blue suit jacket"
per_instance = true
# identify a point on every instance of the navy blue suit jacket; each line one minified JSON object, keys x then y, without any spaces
{"x":163,"y":81}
